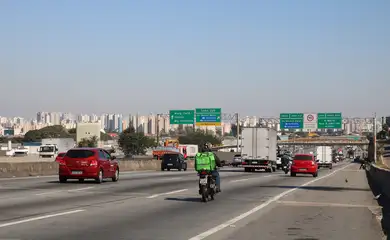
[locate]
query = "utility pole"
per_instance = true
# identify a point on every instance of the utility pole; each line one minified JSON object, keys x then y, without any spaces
{"x":238,"y":132}
{"x":374,"y":137}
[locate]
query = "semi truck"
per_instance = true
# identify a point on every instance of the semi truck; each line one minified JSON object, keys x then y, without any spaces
{"x":324,"y":157}
{"x":259,"y":149}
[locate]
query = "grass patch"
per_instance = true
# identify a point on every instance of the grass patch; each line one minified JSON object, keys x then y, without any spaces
{"x":381,"y":165}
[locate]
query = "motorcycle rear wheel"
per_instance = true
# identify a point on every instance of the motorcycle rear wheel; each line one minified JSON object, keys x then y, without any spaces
{"x":203,"y":190}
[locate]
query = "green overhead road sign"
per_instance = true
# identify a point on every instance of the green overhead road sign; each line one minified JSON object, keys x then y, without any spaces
{"x":329,"y":120}
{"x":291,"y":120}
{"x":208,"y":116}
{"x":181,"y":116}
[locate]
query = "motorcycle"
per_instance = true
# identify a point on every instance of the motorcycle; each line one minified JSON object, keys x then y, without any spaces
{"x":207,"y":186}
{"x":286,"y":168}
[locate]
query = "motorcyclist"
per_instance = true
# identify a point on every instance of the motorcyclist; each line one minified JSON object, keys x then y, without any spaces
{"x":207,"y":148}
{"x":285,"y":160}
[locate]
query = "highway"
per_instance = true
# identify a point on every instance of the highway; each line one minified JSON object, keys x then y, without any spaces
{"x":166,"y":205}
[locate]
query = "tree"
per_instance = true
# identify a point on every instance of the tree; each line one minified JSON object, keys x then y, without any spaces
{"x":56,"y":131}
{"x":133,"y":143}
{"x":199,"y":137}
{"x":384,"y":133}
{"x":234,"y":130}
{"x":88,"y":142}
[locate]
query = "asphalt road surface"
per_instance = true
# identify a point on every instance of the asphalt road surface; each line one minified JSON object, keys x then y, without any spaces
{"x":166,"y":205}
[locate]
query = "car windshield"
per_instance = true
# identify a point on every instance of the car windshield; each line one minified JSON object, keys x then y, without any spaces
{"x":303,"y":157}
{"x":170,"y":157}
{"x":80,"y":153}
{"x":47,"y":149}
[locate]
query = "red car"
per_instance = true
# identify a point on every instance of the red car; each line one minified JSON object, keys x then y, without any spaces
{"x":304,"y":164}
{"x":60,"y":156}
{"x":85,"y":163}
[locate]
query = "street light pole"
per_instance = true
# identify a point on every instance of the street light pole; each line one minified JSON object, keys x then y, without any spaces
{"x":374,"y":137}
{"x":238,"y":132}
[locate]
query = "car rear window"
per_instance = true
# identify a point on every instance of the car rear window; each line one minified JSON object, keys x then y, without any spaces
{"x":80,"y":153}
{"x":237,"y":155}
{"x":171,"y":157}
{"x":303,"y":157}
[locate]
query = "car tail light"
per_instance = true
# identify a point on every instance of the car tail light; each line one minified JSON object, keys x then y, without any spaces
{"x":61,"y":162}
{"x":93,"y":163}
{"x":243,"y":163}
{"x":313,"y":163}
{"x":266,"y":162}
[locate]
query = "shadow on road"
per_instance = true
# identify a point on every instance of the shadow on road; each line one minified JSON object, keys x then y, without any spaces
{"x":318,"y":188}
{"x":184,"y":199}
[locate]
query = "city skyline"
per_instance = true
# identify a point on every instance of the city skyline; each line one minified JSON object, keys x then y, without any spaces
{"x":255,"y":57}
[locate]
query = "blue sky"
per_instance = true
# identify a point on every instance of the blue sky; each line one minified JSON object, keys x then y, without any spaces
{"x":252,"y":57}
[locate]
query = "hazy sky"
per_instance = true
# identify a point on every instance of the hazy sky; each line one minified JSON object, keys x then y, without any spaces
{"x":252,"y":57}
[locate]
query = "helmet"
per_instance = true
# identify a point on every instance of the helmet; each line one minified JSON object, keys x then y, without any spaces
{"x":207,"y":146}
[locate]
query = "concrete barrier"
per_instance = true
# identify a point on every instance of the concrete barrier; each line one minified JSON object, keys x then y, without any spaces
{"x":26,"y":169}
{"x":378,"y":177}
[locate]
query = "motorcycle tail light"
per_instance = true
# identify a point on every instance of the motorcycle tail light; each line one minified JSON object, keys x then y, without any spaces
{"x":203,"y":173}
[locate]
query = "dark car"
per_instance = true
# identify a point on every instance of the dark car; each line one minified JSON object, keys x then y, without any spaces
{"x":173,"y":161}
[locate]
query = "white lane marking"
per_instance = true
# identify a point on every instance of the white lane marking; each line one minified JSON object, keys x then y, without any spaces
{"x":240,"y":180}
{"x":246,"y":179}
{"x":59,"y":191}
{"x":40,"y":218}
{"x":80,"y":189}
{"x":167,"y":193}
{"x":258,"y":208}
{"x":45,"y":193}
{"x":175,"y":178}
{"x":324,"y":204}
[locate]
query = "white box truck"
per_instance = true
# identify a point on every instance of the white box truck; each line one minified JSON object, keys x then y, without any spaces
{"x":259,"y":149}
{"x":324,"y":157}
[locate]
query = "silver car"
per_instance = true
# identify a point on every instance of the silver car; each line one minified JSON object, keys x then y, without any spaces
{"x":237,"y":160}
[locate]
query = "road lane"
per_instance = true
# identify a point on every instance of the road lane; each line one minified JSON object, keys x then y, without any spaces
{"x":120,"y":210}
{"x":43,"y":196}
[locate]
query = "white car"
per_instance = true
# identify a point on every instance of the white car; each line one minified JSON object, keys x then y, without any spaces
{"x":237,"y":160}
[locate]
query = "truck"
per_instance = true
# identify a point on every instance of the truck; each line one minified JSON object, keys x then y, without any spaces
{"x":324,"y":157}
{"x":259,"y":149}
{"x":50,"y":147}
{"x":48,"y":150}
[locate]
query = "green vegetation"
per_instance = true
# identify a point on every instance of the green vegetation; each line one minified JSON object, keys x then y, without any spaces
{"x":56,"y":131}
{"x":88,"y":142}
{"x":199,"y":137}
{"x":134,"y":143}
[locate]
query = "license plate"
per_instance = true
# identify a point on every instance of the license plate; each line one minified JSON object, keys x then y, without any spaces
{"x":254,"y":162}
{"x":203,"y":181}
{"x":169,"y":164}
{"x":302,"y":169}
{"x":77,"y":172}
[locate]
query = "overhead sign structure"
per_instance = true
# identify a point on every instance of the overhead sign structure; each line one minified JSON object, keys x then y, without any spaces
{"x":310,"y":121}
{"x":181,"y":116}
{"x":330,"y":120}
{"x":208,"y":116}
{"x":291,"y":120}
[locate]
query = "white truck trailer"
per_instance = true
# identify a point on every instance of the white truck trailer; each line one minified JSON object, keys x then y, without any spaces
{"x":325,"y":157}
{"x":259,"y":149}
